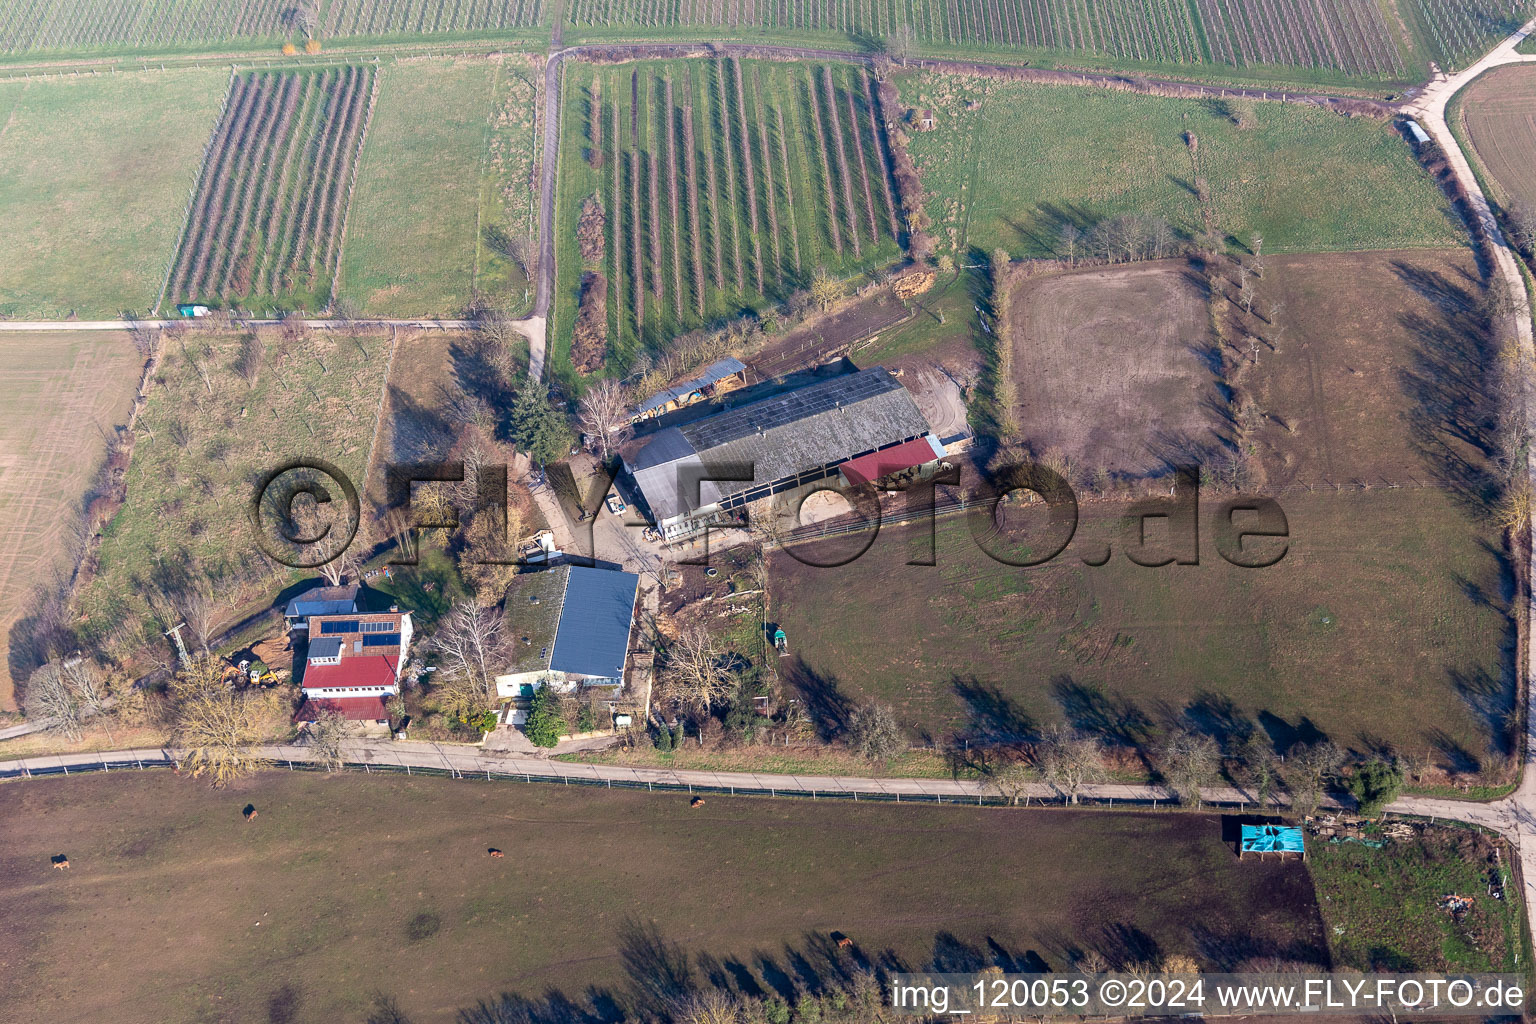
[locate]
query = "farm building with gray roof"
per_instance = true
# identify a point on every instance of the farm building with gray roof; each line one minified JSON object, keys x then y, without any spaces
{"x":569,"y":626}
{"x":690,"y":475}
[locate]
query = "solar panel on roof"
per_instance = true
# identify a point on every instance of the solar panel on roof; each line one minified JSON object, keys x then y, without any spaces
{"x":382,"y":640}
{"x":343,"y":626}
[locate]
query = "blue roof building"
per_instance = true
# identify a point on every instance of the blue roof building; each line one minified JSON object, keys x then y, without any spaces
{"x":322,"y":601}
{"x":569,"y":627}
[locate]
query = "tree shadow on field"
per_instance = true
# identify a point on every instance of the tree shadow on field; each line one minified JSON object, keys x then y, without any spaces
{"x":1451,"y":755}
{"x":1491,"y":697}
{"x":659,"y":970}
{"x":994,"y":717}
{"x":1232,"y":949}
{"x":1042,"y":226}
{"x":283,"y":1005}
{"x":1284,"y":735}
{"x":824,"y":700}
{"x":1452,"y":383}
{"x":1216,"y":715}
{"x":1113,"y":718}
{"x":417,"y":433}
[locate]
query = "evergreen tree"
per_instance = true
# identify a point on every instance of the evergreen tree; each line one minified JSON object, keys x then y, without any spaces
{"x":537,"y":427}
{"x":545,"y":722}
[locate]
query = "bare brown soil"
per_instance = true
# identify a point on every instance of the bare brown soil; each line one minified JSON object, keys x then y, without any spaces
{"x":1499,"y":110}
{"x":177,"y":909}
{"x":1368,"y":360}
{"x":1111,"y":366}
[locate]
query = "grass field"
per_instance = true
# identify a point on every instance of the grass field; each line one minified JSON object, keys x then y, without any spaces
{"x":267,"y":223}
{"x":462,"y":133}
{"x":205,"y":437}
{"x":1028,"y":159}
{"x":724,"y":185}
{"x":1497,"y":112}
{"x":48,"y":27}
{"x":63,"y":395}
{"x":94,"y":173}
{"x":1382,"y":906}
{"x":321,"y":896}
{"x":1322,"y":641}
{"x":1358,"y":406}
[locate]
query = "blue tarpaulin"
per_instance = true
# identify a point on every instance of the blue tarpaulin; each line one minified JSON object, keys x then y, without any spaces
{"x":1272,"y":839}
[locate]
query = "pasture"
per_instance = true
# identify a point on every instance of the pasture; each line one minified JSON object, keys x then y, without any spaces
{"x":267,"y":223}
{"x":1008,"y":164}
{"x":1497,"y":113}
{"x":1315,"y":38}
{"x":223,"y":410}
{"x":347,"y":885}
{"x":461,"y":132}
{"x":94,"y":173}
{"x":63,"y":394}
{"x":1354,"y":425}
{"x":48,"y":27}
{"x":721,"y":185}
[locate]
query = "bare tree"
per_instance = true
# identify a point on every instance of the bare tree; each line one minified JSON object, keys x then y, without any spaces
{"x":696,"y":674}
{"x":219,"y":725}
{"x":326,"y":734}
{"x":603,"y":416}
{"x":1308,"y":767}
{"x":65,"y":692}
{"x":400,"y":528}
{"x":253,"y":350}
{"x":1071,"y":237}
{"x":874,"y":732}
{"x":1013,"y":779}
{"x":901,"y":43}
{"x":1070,"y":761}
{"x":197,"y":607}
{"x":1190,"y":762}
{"x":473,"y":646}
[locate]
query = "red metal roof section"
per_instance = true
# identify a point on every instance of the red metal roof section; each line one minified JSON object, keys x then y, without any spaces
{"x":867,"y":468}
{"x":354,"y":670}
{"x":356,"y":709}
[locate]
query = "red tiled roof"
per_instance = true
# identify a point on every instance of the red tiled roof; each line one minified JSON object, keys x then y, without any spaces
{"x":888,"y":460}
{"x":354,"y":670}
{"x":356,"y":709}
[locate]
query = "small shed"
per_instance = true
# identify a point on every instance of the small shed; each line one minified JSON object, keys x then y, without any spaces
{"x":1282,"y":840}
{"x":925,"y":119}
{"x":1417,"y":133}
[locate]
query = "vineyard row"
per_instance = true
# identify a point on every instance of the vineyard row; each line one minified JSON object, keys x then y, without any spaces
{"x":727,"y":183}
{"x":266,"y":217}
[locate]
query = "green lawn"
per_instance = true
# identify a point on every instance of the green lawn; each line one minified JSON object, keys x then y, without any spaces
{"x":1027,"y":158}
{"x":94,"y":175}
{"x":446,"y":164}
{"x":1382,"y":906}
